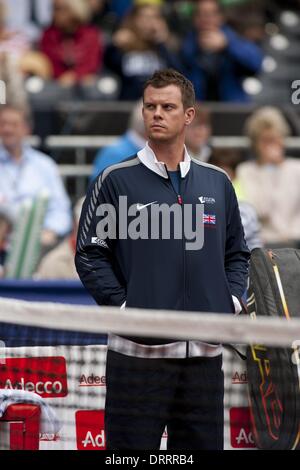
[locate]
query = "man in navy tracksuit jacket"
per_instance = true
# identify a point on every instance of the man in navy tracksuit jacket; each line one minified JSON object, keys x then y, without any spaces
{"x":152,"y":382}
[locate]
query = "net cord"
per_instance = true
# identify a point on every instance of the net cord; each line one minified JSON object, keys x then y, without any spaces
{"x":208,"y":327}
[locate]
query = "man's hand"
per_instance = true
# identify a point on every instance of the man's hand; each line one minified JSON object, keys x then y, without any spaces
{"x":213,"y":41}
{"x":161,"y":32}
{"x":124,"y":39}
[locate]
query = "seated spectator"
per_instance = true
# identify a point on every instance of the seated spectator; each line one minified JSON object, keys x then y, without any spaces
{"x":216,"y":58}
{"x":228,"y":160}
{"x":26,"y":173}
{"x":271,"y":182}
{"x":13,"y":46}
{"x":140,"y":47}
{"x":18,"y":59}
{"x":73,"y":47}
{"x":12,"y":42}
{"x":59,"y":262}
{"x":248,"y":19}
{"x":129,"y":144}
{"x":198,"y":134}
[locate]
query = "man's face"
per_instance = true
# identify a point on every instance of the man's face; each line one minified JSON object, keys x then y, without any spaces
{"x":164,"y":114}
{"x":270,"y":147}
{"x":146,"y":21}
{"x":63,"y":15}
{"x":13,"y":128}
{"x":208,"y":16}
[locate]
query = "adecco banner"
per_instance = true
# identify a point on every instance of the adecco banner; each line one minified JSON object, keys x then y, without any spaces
{"x":72,"y":380}
{"x":90,"y":433}
{"x":45,"y":376}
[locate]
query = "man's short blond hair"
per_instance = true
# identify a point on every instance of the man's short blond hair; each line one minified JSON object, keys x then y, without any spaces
{"x":266,"y":118}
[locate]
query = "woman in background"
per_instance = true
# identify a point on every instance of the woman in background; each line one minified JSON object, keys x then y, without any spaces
{"x":271,"y":181}
{"x":74,"y":48}
{"x":142,"y":45}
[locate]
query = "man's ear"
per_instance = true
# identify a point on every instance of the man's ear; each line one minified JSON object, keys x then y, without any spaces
{"x":189,"y":116}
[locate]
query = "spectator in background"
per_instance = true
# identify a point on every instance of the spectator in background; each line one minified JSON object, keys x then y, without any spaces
{"x":129,"y":144}
{"x":59,"y":262}
{"x":271,"y":182}
{"x":17,"y":60}
{"x":29,"y":16}
{"x":198,"y":134}
{"x":216,"y":58}
{"x":74,"y":48}
{"x":26,"y":173}
{"x":141,"y":46}
{"x":13,"y":45}
{"x":228,"y":160}
{"x":248,"y":19}
{"x":12,"y":42}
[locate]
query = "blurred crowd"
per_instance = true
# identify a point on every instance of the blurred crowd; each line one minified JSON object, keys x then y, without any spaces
{"x":72,"y":43}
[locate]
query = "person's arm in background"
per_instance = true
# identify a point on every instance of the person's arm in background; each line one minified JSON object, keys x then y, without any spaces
{"x":94,"y":258}
{"x":244,"y":52}
{"x":113,"y":58}
{"x":58,"y":216}
{"x":237,"y":254}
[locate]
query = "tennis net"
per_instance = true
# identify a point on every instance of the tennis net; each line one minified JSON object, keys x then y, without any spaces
{"x":53,"y":379}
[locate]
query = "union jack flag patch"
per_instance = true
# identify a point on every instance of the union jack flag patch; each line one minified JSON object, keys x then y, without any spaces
{"x":209,"y":219}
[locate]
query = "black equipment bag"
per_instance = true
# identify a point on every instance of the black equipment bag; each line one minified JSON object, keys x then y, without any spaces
{"x":273,"y":379}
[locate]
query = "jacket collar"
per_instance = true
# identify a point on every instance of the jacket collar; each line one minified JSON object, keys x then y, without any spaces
{"x":148,"y":158}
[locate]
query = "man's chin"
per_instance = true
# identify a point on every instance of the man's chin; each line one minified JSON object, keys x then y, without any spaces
{"x":159,"y":137}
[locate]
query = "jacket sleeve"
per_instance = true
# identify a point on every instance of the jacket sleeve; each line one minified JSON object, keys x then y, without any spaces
{"x":95,"y":260}
{"x":244,"y":52}
{"x":237,"y":254}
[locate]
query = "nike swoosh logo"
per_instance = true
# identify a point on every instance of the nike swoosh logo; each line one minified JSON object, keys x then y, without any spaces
{"x":140,"y":207}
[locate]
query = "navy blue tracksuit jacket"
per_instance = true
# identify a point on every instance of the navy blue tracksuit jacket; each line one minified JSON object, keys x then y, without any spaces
{"x":162,"y":274}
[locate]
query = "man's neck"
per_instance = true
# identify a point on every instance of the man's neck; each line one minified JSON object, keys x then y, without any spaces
{"x":15,"y":152}
{"x":171,"y":154}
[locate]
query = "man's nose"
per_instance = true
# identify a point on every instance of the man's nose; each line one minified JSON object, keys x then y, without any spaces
{"x":157,"y":112}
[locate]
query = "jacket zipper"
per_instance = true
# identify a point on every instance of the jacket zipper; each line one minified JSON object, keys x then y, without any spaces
{"x":180,"y":202}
